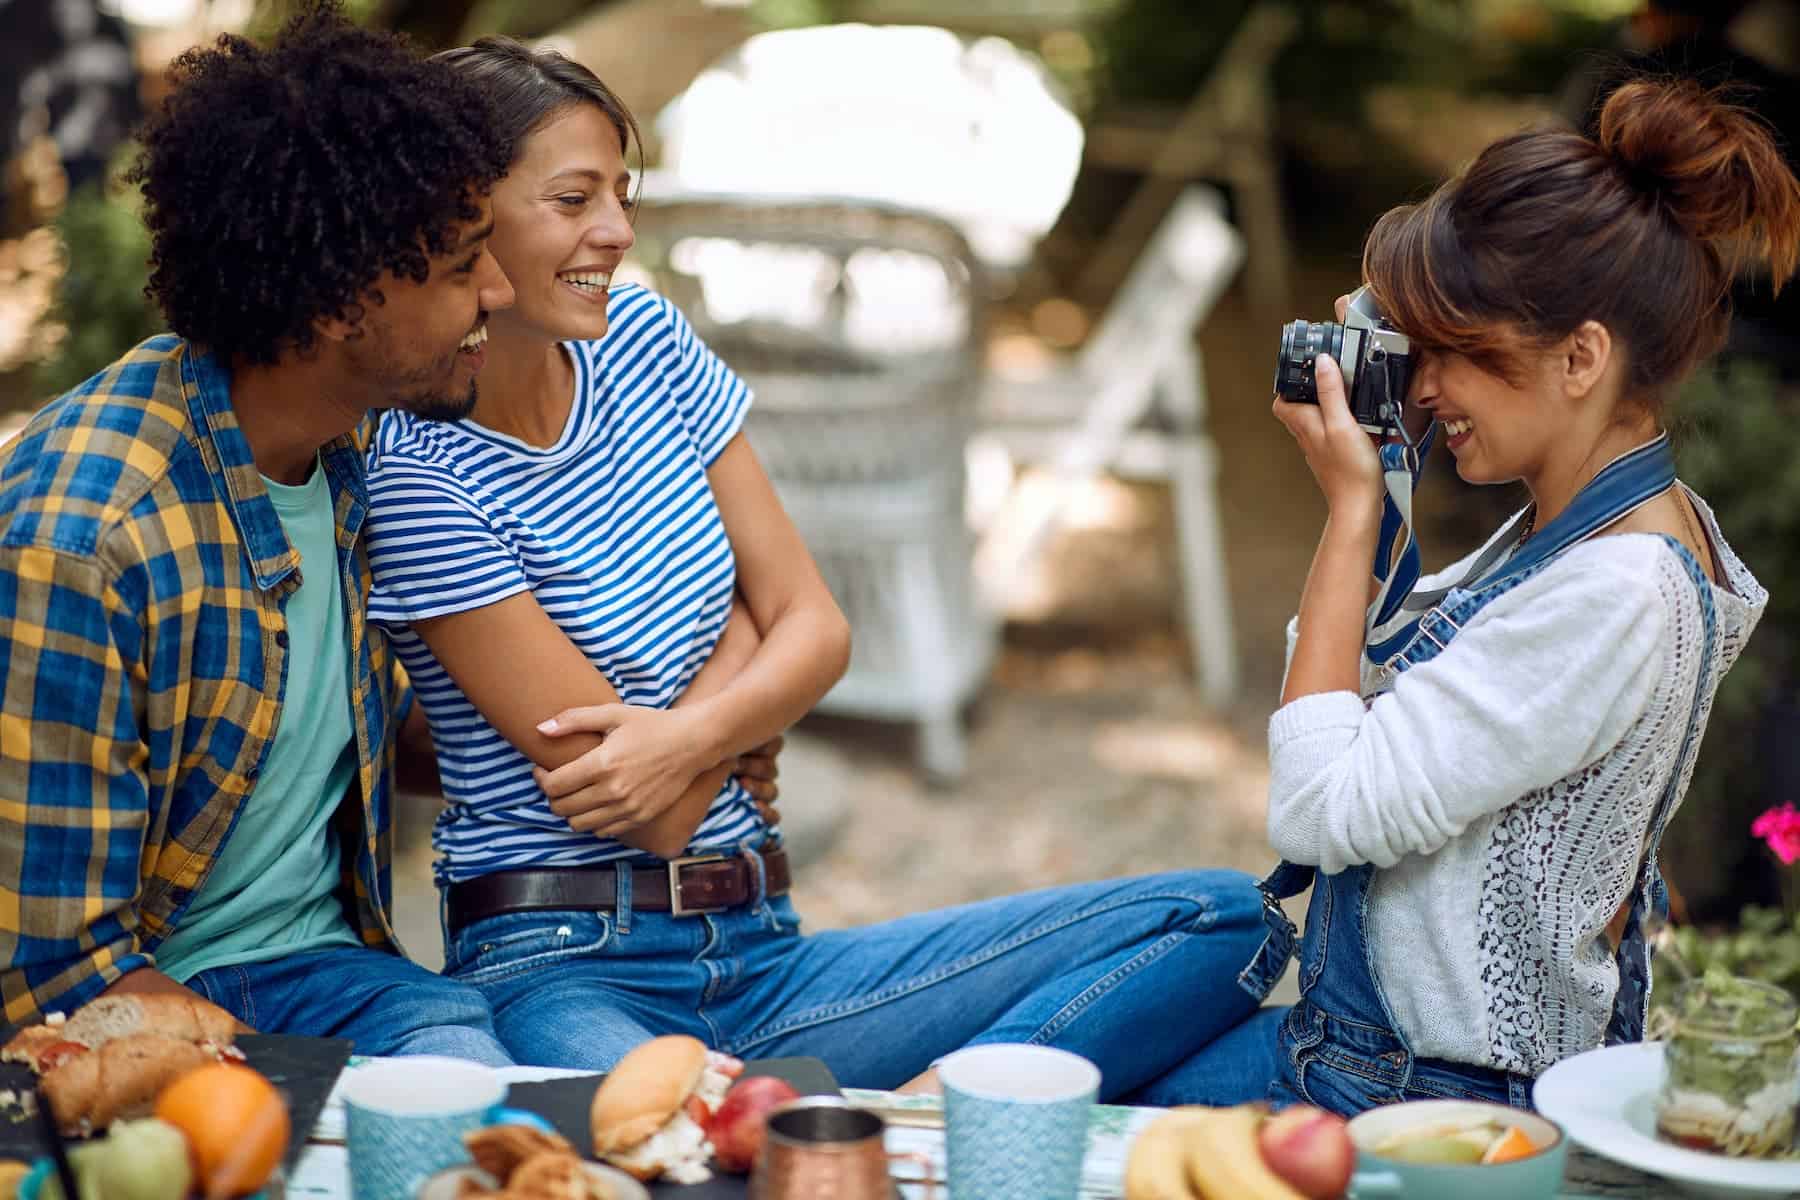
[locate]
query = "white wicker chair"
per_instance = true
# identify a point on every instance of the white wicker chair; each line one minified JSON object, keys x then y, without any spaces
{"x":859,"y":327}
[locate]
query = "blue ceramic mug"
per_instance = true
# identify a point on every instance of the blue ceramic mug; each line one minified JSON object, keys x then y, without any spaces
{"x":404,"y":1120}
{"x":1016,"y":1121}
{"x":1538,"y":1176}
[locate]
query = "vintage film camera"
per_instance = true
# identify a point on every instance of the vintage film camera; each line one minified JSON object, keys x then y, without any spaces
{"x":1376,"y":359}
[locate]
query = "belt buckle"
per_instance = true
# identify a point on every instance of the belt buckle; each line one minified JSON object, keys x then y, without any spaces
{"x":676,"y":908}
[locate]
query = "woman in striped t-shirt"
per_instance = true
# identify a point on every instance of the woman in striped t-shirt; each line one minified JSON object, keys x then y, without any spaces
{"x":577,"y":548}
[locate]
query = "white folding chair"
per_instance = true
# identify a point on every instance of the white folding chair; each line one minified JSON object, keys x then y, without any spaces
{"x":1133,"y":400}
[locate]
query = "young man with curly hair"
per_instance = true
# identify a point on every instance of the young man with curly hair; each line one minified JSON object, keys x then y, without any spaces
{"x":196,"y":720}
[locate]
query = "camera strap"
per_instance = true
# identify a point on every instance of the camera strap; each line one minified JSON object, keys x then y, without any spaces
{"x":1622,"y":486}
{"x":1400,"y":467}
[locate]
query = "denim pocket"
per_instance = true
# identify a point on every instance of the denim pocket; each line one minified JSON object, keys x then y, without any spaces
{"x":501,"y":947}
{"x":1340,"y":1083}
{"x":1322,"y":1072}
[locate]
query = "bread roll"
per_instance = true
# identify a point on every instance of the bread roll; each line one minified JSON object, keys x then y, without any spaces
{"x":120,"y":1079}
{"x":186,"y":1017}
{"x":645,"y":1089}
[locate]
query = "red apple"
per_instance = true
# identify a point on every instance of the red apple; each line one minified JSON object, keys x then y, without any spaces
{"x":1311,"y":1149}
{"x":736,"y":1130}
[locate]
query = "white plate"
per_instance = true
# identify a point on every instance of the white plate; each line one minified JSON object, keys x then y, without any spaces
{"x":445,"y":1185}
{"x":1606,"y":1099}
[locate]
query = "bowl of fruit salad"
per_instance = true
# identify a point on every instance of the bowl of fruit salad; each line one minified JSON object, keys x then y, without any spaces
{"x":1466,"y":1149}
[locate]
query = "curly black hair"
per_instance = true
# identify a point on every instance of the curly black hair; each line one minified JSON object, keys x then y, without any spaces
{"x":279,"y":183}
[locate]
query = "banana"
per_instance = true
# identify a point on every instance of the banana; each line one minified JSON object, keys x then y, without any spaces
{"x":1224,"y":1158}
{"x":1198,"y":1153}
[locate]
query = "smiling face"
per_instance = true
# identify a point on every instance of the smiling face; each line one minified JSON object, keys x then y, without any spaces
{"x":421,"y":348}
{"x":1498,"y":430}
{"x":562,"y":223}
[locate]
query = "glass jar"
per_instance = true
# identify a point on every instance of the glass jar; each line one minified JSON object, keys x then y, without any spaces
{"x":1732,"y":1075}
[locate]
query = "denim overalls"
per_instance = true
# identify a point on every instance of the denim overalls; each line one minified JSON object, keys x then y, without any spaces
{"x":1340,"y":1047}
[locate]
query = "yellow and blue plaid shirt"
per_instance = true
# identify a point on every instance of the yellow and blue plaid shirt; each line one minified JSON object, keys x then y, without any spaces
{"x":143,"y":654}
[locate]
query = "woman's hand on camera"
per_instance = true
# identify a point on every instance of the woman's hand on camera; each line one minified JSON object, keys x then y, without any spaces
{"x":1337,"y":449}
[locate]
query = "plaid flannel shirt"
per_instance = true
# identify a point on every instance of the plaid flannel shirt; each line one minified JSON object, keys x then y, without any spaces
{"x":143,"y":572}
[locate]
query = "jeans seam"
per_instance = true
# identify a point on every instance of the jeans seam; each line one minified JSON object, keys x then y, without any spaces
{"x":715,"y":1038}
{"x":1303,"y":1029}
{"x":1352,"y":1063}
{"x":1350,"y":1024}
{"x":249,"y":1004}
{"x":900,"y":991}
{"x":1445,"y":1090}
{"x":1312,"y":966}
{"x":1066,"y":1015}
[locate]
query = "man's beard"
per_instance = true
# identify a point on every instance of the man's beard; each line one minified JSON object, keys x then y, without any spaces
{"x":439,"y":405}
{"x":424,"y":391}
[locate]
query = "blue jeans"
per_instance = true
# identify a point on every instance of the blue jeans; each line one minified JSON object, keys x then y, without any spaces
{"x":383,"y":1003}
{"x":1339,"y":1048}
{"x":1237,"y":1067}
{"x":1134,"y":974}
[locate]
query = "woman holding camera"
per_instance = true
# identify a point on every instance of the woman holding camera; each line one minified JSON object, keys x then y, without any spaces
{"x":1475,"y":790}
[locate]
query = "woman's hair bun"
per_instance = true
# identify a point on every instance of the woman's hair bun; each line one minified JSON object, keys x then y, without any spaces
{"x":1714,"y":167}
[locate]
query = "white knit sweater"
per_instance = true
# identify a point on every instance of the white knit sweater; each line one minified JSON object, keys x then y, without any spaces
{"x":1505,"y":791}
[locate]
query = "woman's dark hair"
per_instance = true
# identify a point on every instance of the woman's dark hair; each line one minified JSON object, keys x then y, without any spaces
{"x":527,"y":87}
{"x":280,"y":183}
{"x":1642,"y":228}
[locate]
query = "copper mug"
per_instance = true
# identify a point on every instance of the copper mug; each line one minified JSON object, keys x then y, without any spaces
{"x":820,"y":1148}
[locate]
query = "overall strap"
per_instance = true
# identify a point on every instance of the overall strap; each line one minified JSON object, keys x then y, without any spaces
{"x":1648,"y":890}
{"x":1621,"y":487}
{"x":1264,"y":971}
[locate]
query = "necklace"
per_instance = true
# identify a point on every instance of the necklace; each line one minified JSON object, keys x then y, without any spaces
{"x":1530,"y":526}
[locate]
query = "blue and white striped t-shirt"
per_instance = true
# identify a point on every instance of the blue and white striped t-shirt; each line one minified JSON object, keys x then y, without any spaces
{"x":613,"y":528}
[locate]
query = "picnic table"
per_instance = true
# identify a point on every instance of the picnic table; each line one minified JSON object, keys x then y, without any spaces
{"x":915,"y":1125}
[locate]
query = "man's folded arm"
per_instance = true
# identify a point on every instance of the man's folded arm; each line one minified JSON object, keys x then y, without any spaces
{"x":73,"y":791}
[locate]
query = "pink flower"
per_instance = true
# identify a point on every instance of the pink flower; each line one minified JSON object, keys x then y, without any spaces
{"x":1780,"y":828}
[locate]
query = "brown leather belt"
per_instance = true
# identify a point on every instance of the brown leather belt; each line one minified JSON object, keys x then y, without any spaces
{"x":685,"y":887}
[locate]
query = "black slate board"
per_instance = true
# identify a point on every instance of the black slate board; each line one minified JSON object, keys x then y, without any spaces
{"x":565,"y":1102}
{"x":303,"y":1068}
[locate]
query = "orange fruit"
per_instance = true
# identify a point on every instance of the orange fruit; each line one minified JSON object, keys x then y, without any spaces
{"x":236,"y":1125}
{"x":1514,"y":1143}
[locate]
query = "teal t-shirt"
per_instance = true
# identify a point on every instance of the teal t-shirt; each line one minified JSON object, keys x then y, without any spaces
{"x":273,"y":890}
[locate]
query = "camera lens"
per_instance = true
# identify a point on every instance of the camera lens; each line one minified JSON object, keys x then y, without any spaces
{"x":1301,"y":343}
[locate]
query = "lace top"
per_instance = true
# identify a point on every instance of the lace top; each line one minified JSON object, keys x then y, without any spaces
{"x":1505,"y":790}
